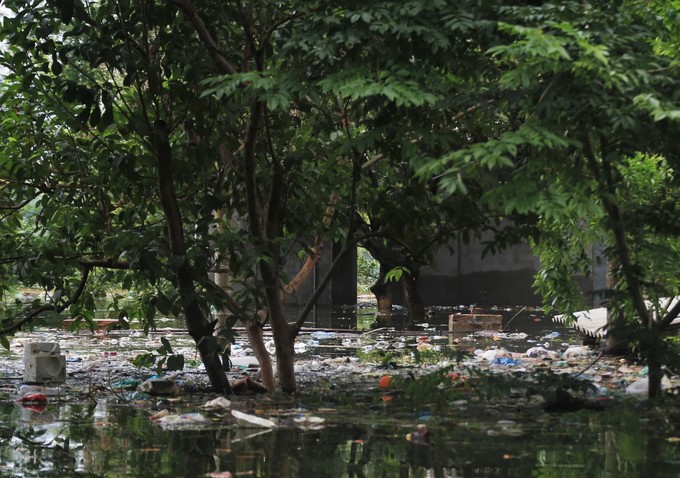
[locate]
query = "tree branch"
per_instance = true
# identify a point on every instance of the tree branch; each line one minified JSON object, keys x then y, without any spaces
{"x":189,"y":10}
{"x":295,"y":328}
{"x":51,"y":307}
{"x":618,"y":228}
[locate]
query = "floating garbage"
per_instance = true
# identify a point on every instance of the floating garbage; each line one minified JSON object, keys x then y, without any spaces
{"x":246,"y":419}
{"x":159,"y":386}
{"x":309,"y":422}
{"x":33,"y":399}
{"x":576,"y":352}
{"x":321,"y":335}
{"x":26,"y":390}
{"x":220,"y":403}
{"x":419,"y":436}
{"x":185,"y":421}
{"x":504,"y":361}
{"x":492,"y":354}
{"x":640,"y":387}
{"x":535,"y":352}
{"x":126,"y":384}
{"x":244,"y":362}
{"x":157,"y":416}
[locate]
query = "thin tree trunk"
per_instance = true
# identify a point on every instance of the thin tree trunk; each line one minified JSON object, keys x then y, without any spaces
{"x":617,"y":342}
{"x":383,"y":292}
{"x":414,"y":302}
{"x":315,"y":254}
{"x":256,"y":212}
{"x":199,"y":327}
{"x":223,"y":281}
{"x":284,"y":340}
{"x":650,"y":351}
{"x":254,"y":332}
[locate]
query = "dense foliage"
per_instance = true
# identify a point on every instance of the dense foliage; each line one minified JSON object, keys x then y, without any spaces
{"x":184,"y":152}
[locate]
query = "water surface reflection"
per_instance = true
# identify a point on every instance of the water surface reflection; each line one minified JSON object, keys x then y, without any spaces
{"x":115,"y":440}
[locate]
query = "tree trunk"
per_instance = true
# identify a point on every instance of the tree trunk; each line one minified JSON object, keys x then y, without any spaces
{"x":222,"y":329}
{"x":414,"y":301}
{"x":199,"y":327}
{"x":383,"y":292}
{"x":254,"y":332}
{"x":651,"y":353}
{"x":284,"y":340}
{"x":616,"y":342}
{"x":655,"y":377}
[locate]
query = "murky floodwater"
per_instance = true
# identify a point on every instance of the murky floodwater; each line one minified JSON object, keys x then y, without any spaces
{"x":363,"y":434}
{"x":108,"y":440}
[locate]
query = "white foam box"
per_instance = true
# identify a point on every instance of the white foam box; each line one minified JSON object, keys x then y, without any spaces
{"x":43,"y":362}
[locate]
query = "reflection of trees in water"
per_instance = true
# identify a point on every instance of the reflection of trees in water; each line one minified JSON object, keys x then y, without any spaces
{"x":125,"y":442}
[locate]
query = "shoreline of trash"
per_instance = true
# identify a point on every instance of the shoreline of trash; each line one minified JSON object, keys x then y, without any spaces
{"x":99,"y":365}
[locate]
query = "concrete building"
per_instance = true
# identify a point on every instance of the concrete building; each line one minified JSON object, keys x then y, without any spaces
{"x":461,"y":278}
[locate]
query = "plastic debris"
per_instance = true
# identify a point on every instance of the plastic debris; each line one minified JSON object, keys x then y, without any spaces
{"x":504,"y":361}
{"x":186,"y":421}
{"x":640,"y":387}
{"x":127,"y":384}
{"x":535,"y":352}
{"x":309,"y":422}
{"x":159,"y":386}
{"x":244,"y":362}
{"x":247,"y":419}
{"x":36,"y":398}
{"x":492,"y":354}
{"x":36,"y":402}
{"x":386,"y":381}
{"x":25,"y":390}
{"x":157,"y":416}
{"x":220,"y":403}
{"x":321,"y":335}
{"x":576,"y":352}
{"x":419,"y":436}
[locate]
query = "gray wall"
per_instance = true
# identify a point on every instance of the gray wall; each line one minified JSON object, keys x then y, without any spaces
{"x":461,"y":278}
{"x":464,"y":277}
{"x":342,"y":289}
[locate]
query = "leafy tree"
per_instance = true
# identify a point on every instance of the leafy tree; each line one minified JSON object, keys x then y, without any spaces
{"x":163,"y":141}
{"x":588,"y":87}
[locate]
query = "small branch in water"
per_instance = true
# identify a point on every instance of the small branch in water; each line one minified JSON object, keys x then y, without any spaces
{"x":597,"y":359}
{"x":513,"y":317}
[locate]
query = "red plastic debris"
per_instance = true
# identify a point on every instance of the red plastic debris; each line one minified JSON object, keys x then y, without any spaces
{"x":36,"y":402}
{"x":34,"y":398}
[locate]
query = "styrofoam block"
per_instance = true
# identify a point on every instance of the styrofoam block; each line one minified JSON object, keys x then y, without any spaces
{"x":43,"y":363}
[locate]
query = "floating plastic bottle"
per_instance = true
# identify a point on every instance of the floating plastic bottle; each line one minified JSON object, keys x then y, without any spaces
{"x":38,"y":389}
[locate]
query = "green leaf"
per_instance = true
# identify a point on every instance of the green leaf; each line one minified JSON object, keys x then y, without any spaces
{"x":166,"y":345}
{"x":394,"y":275}
{"x":146,"y":360}
{"x":175,"y":362}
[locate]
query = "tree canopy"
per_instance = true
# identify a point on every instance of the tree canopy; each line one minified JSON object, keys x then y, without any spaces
{"x":152,"y":146}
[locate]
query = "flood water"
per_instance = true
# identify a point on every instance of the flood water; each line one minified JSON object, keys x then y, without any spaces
{"x":363,"y":434}
{"x":109,"y":440}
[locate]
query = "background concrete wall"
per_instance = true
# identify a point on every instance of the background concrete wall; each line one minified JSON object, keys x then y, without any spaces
{"x":342,"y":289}
{"x":464,"y":277}
{"x":461,"y":278}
